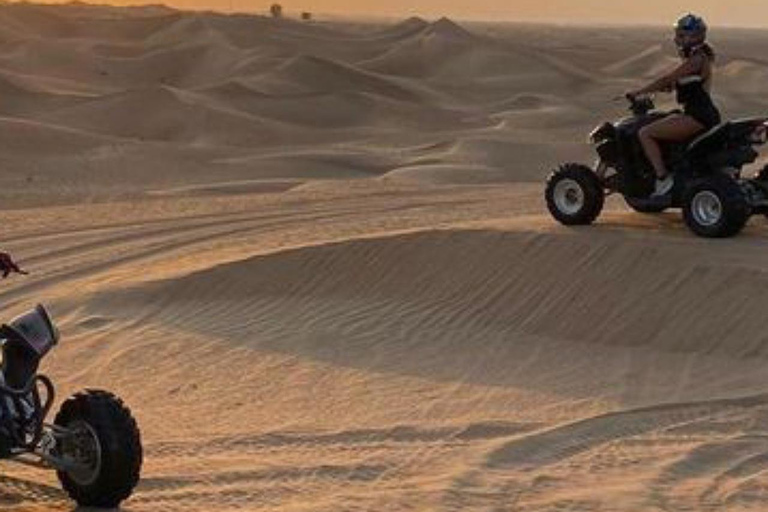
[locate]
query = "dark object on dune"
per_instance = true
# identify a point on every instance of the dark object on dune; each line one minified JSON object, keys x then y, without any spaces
{"x":94,"y":444}
{"x":306,"y":16}
{"x":276,"y":10}
{"x":716,"y":200}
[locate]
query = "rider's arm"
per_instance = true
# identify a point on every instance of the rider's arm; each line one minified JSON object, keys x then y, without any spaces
{"x":667,"y":82}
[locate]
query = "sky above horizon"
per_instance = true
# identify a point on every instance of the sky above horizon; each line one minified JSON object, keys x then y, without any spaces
{"x":718,"y":12}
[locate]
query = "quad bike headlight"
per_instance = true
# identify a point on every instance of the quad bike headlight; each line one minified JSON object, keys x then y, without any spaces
{"x":601,"y":133}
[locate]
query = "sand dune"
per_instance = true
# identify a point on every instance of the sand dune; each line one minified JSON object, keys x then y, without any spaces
{"x":647,"y":64}
{"x":427,"y":54}
{"x":25,"y":137}
{"x":465,"y":280}
{"x":475,"y":358}
{"x":322,"y":75}
{"x":24,"y":98}
{"x":403,"y":29}
{"x":144,"y":74}
{"x":744,"y":80}
{"x":314,"y":259}
{"x":42,"y":21}
{"x":169,"y":116}
{"x":307,"y":110}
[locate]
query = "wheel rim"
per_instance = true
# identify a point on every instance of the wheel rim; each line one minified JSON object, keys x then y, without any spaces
{"x":569,"y":196}
{"x":83,"y":448}
{"x":707,"y":209}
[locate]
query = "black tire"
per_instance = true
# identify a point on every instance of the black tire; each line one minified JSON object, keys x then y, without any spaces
{"x":113,"y":479}
{"x":585,"y":203}
{"x":729,"y":213}
{"x":643,"y":206}
{"x":762,"y":176}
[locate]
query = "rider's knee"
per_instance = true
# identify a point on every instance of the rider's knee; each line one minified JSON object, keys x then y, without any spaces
{"x":646,"y":133}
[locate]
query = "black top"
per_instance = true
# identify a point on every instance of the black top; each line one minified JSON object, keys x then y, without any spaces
{"x":693,"y":93}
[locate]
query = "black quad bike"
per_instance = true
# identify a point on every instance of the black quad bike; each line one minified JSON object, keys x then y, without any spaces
{"x":716,"y":200}
{"x":93,"y":444}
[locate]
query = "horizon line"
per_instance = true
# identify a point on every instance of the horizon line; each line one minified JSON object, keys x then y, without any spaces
{"x":382,"y":17}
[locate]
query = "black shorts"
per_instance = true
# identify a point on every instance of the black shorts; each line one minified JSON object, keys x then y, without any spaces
{"x":707,"y":115}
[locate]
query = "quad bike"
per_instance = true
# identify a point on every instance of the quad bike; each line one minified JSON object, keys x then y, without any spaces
{"x":93,"y":443}
{"x":716,"y":200}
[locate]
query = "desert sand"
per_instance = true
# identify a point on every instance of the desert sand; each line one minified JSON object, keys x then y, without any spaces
{"x":314,"y":259}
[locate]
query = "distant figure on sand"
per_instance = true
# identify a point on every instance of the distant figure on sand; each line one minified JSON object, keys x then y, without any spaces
{"x":8,"y":266}
{"x":692,"y":80}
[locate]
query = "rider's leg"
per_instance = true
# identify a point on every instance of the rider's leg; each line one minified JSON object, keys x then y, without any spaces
{"x":675,"y":128}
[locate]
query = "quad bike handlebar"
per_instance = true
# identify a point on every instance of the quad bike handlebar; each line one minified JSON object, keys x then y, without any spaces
{"x":641,"y":104}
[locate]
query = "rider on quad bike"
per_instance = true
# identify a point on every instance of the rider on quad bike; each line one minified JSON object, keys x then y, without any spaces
{"x":7,"y":265}
{"x":660,"y":160}
{"x":692,"y":80}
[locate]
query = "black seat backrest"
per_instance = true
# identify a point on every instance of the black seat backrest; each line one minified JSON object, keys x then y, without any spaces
{"x":709,"y":139}
{"x":734,"y":130}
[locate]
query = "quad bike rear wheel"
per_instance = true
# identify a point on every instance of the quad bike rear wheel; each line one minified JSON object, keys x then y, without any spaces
{"x":574,"y":195}
{"x":716,"y":207}
{"x":762,"y":176}
{"x":104,"y":446}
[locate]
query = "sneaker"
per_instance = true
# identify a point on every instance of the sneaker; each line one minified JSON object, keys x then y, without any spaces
{"x":663,"y":186}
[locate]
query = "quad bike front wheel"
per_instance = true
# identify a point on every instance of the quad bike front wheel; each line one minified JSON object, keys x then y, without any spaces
{"x":716,"y":207}
{"x":103,"y":444}
{"x":574,"y":195}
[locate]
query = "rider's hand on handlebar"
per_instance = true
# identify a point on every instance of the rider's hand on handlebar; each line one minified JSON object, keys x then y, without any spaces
{"x":7,"y":265}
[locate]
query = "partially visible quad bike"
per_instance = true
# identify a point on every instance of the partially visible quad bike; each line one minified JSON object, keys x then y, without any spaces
{"x":93,"y":444}
{"x":716,"y":200}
